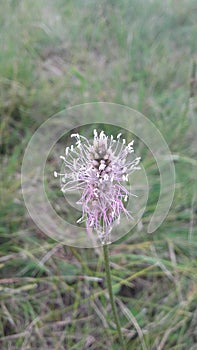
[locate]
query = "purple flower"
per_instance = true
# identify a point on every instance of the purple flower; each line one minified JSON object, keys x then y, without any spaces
{"x":99,"y":171}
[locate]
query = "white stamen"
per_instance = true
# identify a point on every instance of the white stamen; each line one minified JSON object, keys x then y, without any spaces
{"x":55,"y":173}
{"x":78,"y":144}
{"x":75,"y":135}
{"x":96,"y":192}
{"x":118,"y":136}
{"x":92,"y":223}
{"x":125,"y":177}
{"x":131,"y":143}
{"x":102,"y":166}
{"x":106,"y":177}
{"x":102,"y":134}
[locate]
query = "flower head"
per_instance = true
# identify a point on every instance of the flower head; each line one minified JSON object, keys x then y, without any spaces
{"x":99,"y":171}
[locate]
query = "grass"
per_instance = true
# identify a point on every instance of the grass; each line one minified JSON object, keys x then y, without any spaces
{"x":57,"y":54}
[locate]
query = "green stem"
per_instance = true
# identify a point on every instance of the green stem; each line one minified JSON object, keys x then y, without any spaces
{"x":111,"y":296}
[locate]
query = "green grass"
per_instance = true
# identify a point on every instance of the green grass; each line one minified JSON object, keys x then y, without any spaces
{"x":56,"y":54}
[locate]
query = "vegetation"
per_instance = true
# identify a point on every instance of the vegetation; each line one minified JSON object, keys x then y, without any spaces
{"x":57,"y":54}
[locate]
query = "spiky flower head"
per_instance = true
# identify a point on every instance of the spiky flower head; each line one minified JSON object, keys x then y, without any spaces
{"x":99,"y":170}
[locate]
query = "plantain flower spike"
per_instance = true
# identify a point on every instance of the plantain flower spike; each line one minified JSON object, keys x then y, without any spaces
{"x":100,"y":171}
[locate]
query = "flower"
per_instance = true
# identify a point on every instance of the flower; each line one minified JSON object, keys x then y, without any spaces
{"x":99,"y":171}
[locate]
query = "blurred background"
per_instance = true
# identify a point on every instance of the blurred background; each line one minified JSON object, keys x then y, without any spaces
{"x":57,"y":54}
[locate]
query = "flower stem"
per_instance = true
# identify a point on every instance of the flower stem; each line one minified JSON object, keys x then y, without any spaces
{"x":111,"y":296}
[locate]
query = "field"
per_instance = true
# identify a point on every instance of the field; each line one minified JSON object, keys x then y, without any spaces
{"x":136,"y":53}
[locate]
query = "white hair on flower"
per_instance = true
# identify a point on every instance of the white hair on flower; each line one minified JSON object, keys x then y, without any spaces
{"x":99,"y":170}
